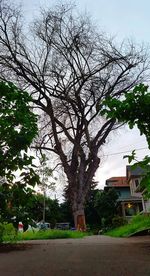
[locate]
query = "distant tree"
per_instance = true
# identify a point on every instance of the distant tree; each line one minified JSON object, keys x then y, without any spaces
{"x":92,"y":216}
{"x":21,"y":203}
{"x":106,"y":205}
{"x":46,"y":180}
{"x":69,"y":68}
{"x":66,"y":213}
{"x":52,"y":209}
{"x":53,"y":214}
{"x":15,"y":203}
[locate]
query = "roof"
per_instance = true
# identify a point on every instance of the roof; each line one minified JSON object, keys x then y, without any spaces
{"x":130,"y":199}
{"x":138,"y":171}
{"x":118,"y":181}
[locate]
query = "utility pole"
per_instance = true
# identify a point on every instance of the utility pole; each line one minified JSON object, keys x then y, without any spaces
{"x":45,"y":172}
{"x":44,"y":205}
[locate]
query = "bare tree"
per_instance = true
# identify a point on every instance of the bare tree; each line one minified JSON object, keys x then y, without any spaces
{"x":69,"y":68}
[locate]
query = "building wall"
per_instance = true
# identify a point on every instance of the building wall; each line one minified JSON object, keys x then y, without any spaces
{"x":123,"y":192}
{"x":147,"y":205}
{"x":133,"y":186}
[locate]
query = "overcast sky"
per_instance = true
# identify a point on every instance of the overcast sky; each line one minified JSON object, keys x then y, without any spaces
{"x":124,"y":19}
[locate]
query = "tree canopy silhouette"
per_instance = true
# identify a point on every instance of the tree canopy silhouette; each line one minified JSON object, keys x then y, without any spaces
{"x":70,"y":68}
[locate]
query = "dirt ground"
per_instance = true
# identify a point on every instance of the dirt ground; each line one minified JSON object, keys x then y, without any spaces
{"x":94,"y":255}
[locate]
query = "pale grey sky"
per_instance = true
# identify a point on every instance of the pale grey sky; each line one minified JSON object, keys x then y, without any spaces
{"x":124,"y":19}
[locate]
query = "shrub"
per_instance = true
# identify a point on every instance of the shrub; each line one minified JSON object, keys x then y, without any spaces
{"x":94,"y":229}
{"x":7,"y":232}
{"x":118,"y":221}
{"x":1,"y":232}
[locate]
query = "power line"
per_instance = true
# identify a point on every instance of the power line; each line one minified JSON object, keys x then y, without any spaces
{"x":116,"y":153}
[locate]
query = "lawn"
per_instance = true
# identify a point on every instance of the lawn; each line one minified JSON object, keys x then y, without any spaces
{"x":50,"y":234}
{"x":138,"y":223}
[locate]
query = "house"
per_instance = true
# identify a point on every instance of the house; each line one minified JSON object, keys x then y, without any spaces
{"x":134,"y":177}
{"x":129,"y":203}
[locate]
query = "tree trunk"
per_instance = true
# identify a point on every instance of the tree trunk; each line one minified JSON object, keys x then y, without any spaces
{"x":79,"y":219}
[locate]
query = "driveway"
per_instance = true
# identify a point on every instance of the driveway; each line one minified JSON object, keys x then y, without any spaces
{"x":94,"y":255}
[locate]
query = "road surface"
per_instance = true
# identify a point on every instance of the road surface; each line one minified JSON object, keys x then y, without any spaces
{"x":90,"y":256}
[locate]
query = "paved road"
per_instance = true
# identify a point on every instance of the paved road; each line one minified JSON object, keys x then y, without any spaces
{"x":91,"y":256}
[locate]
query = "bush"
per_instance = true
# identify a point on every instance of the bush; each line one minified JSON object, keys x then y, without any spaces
{"x":7,"y":232}
{"x":118,"y":221}
{"x":94,"y":229}
{"x":1,"y":232}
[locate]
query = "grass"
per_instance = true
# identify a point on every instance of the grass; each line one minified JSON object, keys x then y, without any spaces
{"x":50,"y":234}
{"x":138,"y":223}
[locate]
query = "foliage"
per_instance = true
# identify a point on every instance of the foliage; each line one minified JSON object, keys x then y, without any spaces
{"x":21,"y":203}
{"x":106,"y":206}
{"x":65,"y":213}
{"x":1,"y":232}
{"x":134,"y":109}
{"x":52,"y":209}
{"x":18,"y":127}
{"x":45,"y":175}
{"x":46,"y":181}
{"x":93,"y":217}
{"x":145,"y":166}
{"x":7,"y":232}
{"x":138,"y":223}
{"x":15,"y":203}
{"x":51,"y":234}
{"x":118,"y":221}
